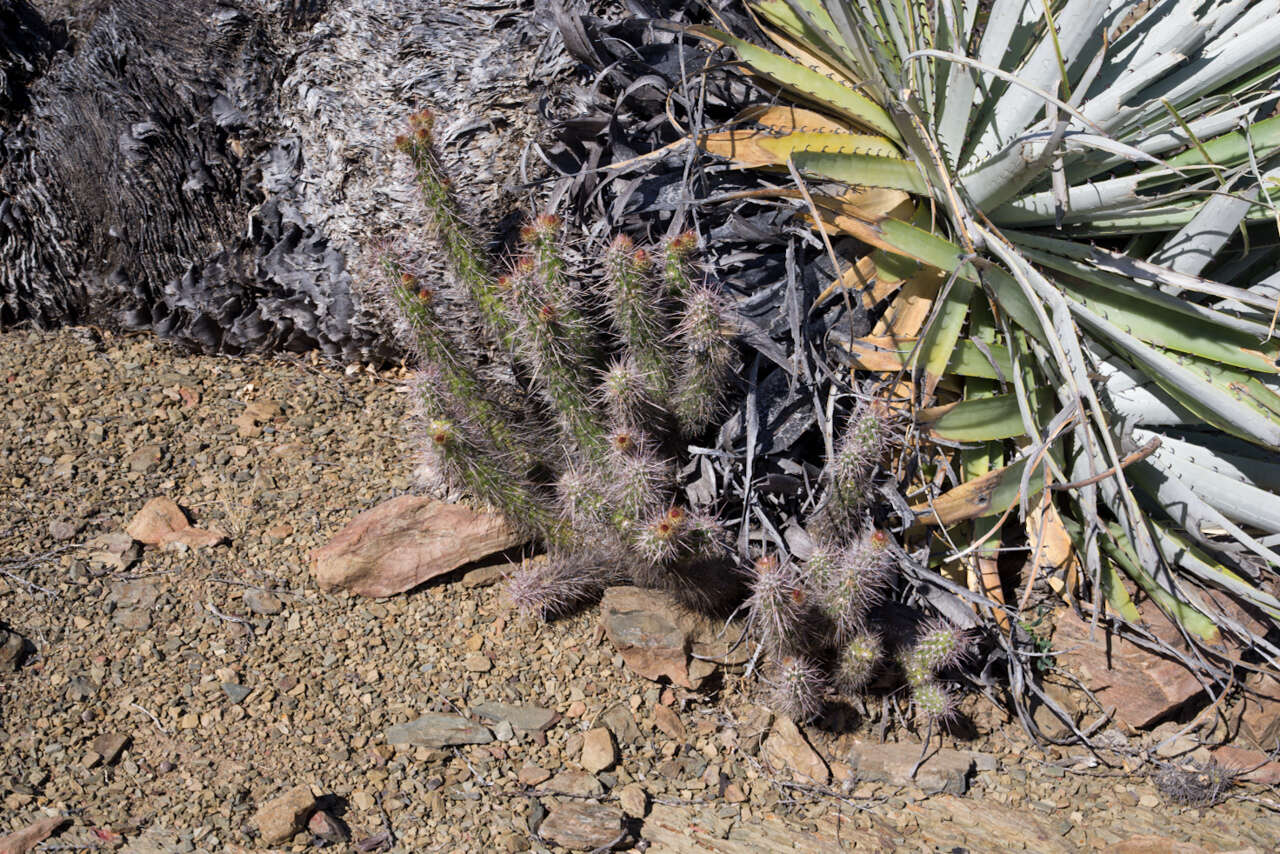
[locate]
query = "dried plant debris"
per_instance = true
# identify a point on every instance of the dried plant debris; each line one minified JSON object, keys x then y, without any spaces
{"x":221,"y":187}
{"x":1196,"y":784}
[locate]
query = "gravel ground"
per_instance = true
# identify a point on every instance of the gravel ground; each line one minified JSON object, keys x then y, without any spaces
{"x":235,"y":679}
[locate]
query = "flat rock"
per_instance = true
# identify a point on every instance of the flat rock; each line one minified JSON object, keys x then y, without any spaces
{"x":144,"y":459}
{"x":786,"y":750}
{"x":484,"y":576}
{"x":521,"y":718}
{"x":249,"y":423}
{"x":582,"y":826}
{"x":599,"y":753}
{"x":403,"y":542}
{"x":280,"y":818}
{"x":438,"y":730}
{"x":26,"y":839}
{"x":532,"y":775}
{"x":236,"y":692}
{"x":651,"y":632}
{"x":1261,"y":768}
{"x":262,"y":602}
{"x":621,"y":723}
{"x":571,"y":781}
{"x":109,"y":745}
{"x":1260,"y":711}
{"x":1142,"y":687}
{"x":666,"y":719}
{"x":116,"y":550}
{"x":162,"y":522}
{"x":634,"y":800}
{"x":944,"y":770}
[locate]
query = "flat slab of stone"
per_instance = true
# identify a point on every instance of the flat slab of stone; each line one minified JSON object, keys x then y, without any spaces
{"x":521,"y":718}
{"x":1142,"y":687}
{"x":785,"y":750}
{"x":109,"y":745}
{"x":161,"y":522}
{"x":403,"y":542}
{"x":581,"y":826}
{"x":577,"y":783}
{"x":438,"y":730}
{"x":655,"y":636}
{"x":944,"y":770}
{"x":280,"y":818}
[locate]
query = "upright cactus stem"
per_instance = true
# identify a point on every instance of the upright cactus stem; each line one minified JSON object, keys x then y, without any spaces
{"x":469,"y":466}
{"x":675,"y":263}
{"x":451,"y":381}
{"x":466,"y":258}
{"x":637,"y":312}
{"x":551,"y":343}
{"x":706,"y":353}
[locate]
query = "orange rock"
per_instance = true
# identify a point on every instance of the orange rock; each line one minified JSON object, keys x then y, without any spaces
{"x":405,"y":541}
{"x":786,"y":750}
{"x":1141,"y":686}
{"x":26,"y":839}
{"x":665,"y":719}
{"x":161,"y":522}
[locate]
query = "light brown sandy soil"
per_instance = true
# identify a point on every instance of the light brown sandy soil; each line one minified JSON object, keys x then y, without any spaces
{"x":89,"y":432}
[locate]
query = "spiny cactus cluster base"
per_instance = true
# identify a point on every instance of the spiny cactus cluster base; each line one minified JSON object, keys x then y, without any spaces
{"x":589,"y":385}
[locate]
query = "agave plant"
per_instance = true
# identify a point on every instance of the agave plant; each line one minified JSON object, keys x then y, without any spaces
{"x":1068,"y":209}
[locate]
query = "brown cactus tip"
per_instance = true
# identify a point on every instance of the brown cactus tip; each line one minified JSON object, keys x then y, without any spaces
{"x":683,"y":243}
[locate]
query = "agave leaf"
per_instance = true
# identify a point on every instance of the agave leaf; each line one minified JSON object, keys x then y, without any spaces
{"x":1156,"y":317}
{"x":936,"y":346}
{"x":1188,"y":382}
{"x":1117,"y":595}
{"x":1236,"y":499}
{"x":1040,"y":71}
{"x":862,"y":169}
{"x":978,"y":419}
{"x":1191,"y":512}
{"x":992,"y":493}
{"x":1178,"y":549}
{"x":889,"y":354}
{"x":782,"y":119}
{"x":809,"y":84}
{"x":1225,"y":455}
{"x":1120,"y":550}
{"x":755,"y":148}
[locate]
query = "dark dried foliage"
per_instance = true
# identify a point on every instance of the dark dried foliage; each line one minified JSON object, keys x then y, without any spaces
{"x":129,"y":182}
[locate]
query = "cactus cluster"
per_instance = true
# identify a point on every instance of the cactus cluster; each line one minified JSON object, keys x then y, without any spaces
{"x":589,"y":383}
{"x":821,"y":612}
{"x":586,"y":387}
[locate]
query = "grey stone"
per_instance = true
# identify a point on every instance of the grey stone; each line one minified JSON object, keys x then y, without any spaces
{"x":438,"y":730}
{"x":237,"y":693}
{"x":522,"y":718}
{"x":262,"y":602}
{"x":944,"y":770}
{"x":571,"y":781}
{"x":621,"y":723}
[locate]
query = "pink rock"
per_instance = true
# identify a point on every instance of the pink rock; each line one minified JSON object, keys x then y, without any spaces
{"x":161,"y":522}
{"x":786,"y":750}
{"x":26,"y":839}
{"x":405,"y":541}
{"x":1259,"y":766}
{"x":1141,"y":686}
